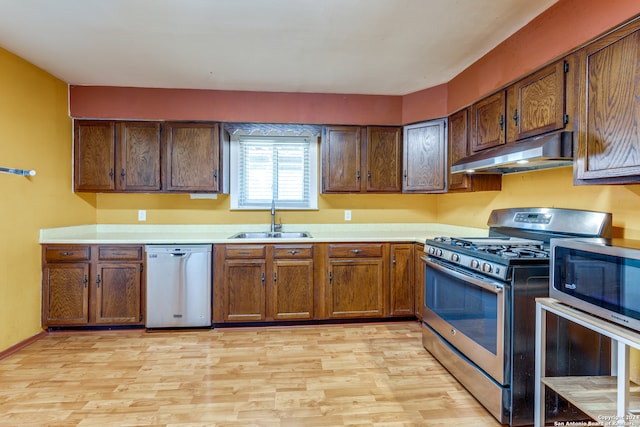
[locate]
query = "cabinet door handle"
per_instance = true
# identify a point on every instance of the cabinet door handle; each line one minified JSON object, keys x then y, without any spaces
{"x":358,"y":175}
{"x":122,"y":174}
{"x":85,"y":281}
{"x":330,"y":277}
{"x":275,"y":277}
{"x":67,"y":253}
{"x":111,"y":174}
{"x":98,"y":281}
{"x":404,"y":174}
{"x":262,"y":278}
{"x":215,"y":175}
{"x":355,"y":251}
{"x":515,"y":117}
{"x":393,"y":261}
{"x":293,"y":252}
{"x":368,"y":175}
{"x":501,"y":122}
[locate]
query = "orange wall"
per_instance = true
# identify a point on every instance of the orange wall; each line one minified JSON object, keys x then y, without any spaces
{"x":233,"y":106}
{"x":563,"y":27}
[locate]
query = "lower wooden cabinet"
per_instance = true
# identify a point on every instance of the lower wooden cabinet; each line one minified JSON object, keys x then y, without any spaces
{"x":88,"y":285}
{"x":320,"y":281}
{"x":357,"y":280}
{"x":401,"y":287}
{"x":418,"y":276}
{"x":263,"y":283}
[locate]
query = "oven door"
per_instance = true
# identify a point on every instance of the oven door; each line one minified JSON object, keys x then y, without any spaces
{"x":468,"y":311}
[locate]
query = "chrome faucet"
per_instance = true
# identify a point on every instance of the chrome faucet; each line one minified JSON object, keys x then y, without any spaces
{"x":274,"y":227}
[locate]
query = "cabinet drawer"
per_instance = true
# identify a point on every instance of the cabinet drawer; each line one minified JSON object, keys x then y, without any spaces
{"x":118,"y":253}
{"x":67,"y":253}
{"x":284,"y":251}
{"x":355,"y":250}
{"x":246,"y":251}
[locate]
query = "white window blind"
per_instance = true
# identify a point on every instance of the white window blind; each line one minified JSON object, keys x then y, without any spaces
{"x":281,"y":169}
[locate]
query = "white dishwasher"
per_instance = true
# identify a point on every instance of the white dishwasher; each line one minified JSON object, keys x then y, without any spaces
{"x":178,"y":286}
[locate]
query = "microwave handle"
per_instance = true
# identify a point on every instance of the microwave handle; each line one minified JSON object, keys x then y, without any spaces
{"x":489,"y":285}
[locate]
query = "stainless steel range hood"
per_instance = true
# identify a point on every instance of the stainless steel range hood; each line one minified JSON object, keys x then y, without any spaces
{"x":541,"y":152}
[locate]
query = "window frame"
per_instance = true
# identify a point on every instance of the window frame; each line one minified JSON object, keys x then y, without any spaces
{"x":234,"y":185}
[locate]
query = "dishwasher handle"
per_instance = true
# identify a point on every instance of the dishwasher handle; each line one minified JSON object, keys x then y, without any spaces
{"x":177,"y":254}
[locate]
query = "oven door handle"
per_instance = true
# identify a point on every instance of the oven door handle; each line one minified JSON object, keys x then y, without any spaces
{"x":489,"y":285}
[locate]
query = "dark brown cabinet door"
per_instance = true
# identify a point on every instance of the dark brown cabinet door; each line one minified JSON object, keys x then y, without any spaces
{"x":94,"y":159}
{"x":418,"y":274}
{"x":402,"y":284}
{"x":341,"y":159}
{"x":292,"y":290}
{"x":105,"y":288}
{"x":118,"y":293}
{"x":244,"y":290}
{"x":608,"y":137}
{"x":139,"y":156}
{"x":424,"y":160}
{"x":383,"y":159}
{"x":488,"y":122}
{"x":191,"y":157}
{"x":459,"y":149}
{"x":65,"y":294}
{"x":356,"y":288}
{"x":536,"y":104}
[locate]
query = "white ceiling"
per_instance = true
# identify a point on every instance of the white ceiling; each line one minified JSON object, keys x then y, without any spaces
{"x":387,"y":47}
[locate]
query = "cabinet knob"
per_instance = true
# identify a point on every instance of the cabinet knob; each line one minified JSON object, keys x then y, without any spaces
{"x":515,"y":117}
{"x":293,"y":252}
{"x":355,"y":251}
{"x":501,"y":122}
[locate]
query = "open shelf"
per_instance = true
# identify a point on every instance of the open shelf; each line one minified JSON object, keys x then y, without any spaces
{"x":595,"y":396}
{"x":610,"y":400}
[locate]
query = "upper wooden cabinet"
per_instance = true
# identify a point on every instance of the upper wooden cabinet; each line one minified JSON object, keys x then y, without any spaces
{"x":359,"y":159}
{"x":459,"y":149}
{"x":488,"y":122}
{"x":192,"y":161}
{"x":424,"y":158}
{"x":341,"y":161}
{"x":536,"y":104}
{"x":116,"y":156}
{"x":607,"y":92}
{"x":383,"y":159}
{"x":532,"y":106}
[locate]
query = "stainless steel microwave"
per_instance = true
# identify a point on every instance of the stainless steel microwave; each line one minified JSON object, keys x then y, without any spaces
{"x":599,"y":276}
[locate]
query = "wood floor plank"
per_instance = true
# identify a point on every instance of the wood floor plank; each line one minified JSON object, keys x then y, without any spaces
{"x":373,"y":374}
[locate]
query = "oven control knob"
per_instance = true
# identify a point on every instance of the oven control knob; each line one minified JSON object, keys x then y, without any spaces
{"x":475,"y":263}
{"x":487,"y":268}
{"x":455,"y":257}
{"x":432,"y":251}
{"x":438,"y":252}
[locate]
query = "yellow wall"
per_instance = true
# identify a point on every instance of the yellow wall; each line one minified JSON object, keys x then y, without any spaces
{"x":180,"y":209}
{"x":547,"y":188}
{"x":36,"y":134}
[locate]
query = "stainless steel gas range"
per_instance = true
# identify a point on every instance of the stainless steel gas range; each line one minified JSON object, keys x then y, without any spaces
{"x":479,"y":304}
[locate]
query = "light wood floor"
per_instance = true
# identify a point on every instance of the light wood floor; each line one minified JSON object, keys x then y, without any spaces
{"x":357,"y":375}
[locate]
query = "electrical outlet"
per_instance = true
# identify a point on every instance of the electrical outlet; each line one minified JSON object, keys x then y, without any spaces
{"x":347,"y":215}
{"x":142,"y":215}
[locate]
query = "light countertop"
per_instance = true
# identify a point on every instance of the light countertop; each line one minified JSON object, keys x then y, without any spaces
{"x":217,"y":234}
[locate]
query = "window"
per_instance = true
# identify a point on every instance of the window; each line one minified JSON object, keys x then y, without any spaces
{"x":281,"y":168}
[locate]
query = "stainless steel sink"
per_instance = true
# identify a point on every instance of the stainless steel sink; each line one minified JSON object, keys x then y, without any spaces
{"x":271,"y":235}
